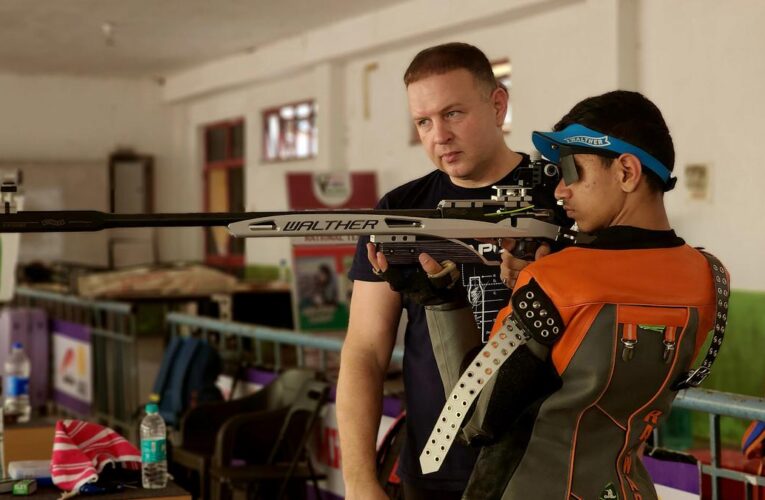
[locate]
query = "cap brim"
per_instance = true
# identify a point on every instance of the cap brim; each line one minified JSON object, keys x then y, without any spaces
{"x":545,"y":142}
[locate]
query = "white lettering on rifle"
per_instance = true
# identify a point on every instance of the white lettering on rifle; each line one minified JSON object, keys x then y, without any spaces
{"x":484,"y":248}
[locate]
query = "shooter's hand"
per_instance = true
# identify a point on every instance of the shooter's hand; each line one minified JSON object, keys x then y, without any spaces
{"x":511,"y":266}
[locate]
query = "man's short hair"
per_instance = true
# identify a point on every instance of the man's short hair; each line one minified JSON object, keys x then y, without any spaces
{"x":441,"y":59}
{"x":631,"y":117}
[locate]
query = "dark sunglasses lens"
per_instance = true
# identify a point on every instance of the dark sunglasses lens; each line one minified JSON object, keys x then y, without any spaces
{"x":568,"y":168}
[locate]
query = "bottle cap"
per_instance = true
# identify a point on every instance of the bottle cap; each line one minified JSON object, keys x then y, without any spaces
{"x":152,"y":408}
{"x":18,"y":345}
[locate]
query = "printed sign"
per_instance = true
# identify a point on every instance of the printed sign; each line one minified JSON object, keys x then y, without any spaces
{"x":321,"y":263}
{"x":674,"y":480}
{"x":72,"y":366}
{"x":322,"y":288}
{"x":335,"y":190}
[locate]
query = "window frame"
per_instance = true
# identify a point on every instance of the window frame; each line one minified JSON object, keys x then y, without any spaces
{"x":314,"y":133}
{"x":227,"y":164}
{"x":507,"y":126}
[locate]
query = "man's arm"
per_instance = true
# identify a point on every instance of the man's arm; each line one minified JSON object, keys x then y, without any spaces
{"x":373,"y":322}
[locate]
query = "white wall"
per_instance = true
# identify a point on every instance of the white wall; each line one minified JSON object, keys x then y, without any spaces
{"x":522,"y":30}
{"x":265,"y":187}
{"x":702,"y":63}
{"x":51,"y":117}
{"x":66,"y":122}
{"x":700,"y":60}
{"x":547,"y":77}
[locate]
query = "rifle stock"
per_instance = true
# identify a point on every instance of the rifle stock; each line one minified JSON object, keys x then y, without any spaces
{"x":447,"y":232}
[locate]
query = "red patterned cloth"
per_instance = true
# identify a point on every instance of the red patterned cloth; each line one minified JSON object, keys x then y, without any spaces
{"x":82,"y":449}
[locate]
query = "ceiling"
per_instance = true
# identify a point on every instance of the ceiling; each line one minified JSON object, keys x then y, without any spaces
{"x":152,"y":38}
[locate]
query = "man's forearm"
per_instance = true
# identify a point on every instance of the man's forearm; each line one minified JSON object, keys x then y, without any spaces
{"x":375,"y":312}
{"x":359,"y":406}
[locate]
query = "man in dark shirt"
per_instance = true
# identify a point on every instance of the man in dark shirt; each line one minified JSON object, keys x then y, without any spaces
{"x":458,"y":109}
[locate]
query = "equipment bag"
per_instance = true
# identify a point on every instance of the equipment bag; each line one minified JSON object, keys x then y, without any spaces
{"x":186,"y":377}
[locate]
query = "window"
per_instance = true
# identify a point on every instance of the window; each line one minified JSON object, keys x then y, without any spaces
{"x":502,"y":71}
{"x":224,"y":190}
{"x":290,"y":132}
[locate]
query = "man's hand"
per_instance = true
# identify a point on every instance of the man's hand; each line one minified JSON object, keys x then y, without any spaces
{"x":380,"y":263}
{"x":429,"y":265}
{"x":377,"y":259}
{"x":432,"y":284}
{"x":511,"y":266}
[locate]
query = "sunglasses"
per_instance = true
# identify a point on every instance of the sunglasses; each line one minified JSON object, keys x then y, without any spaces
{"x":568,"y":166}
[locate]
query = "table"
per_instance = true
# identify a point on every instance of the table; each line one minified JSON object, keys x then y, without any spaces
{"x":171,"y":492}
{"x":31,"y":440}
{"x":34,"y":441}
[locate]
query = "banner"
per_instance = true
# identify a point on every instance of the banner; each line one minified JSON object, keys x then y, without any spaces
{"x":72,"y":366}
{"x":321,"y":263}
{"x":677,"y":476}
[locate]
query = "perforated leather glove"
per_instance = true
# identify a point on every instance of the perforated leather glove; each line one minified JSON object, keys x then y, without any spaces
{"x":426,"y":289}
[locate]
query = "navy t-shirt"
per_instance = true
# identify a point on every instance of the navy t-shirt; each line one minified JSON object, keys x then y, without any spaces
{"x":424,"y":390}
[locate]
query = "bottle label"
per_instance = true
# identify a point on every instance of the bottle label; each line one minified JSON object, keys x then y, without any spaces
{"x":153,"y":450}
{"x":16,"y":386}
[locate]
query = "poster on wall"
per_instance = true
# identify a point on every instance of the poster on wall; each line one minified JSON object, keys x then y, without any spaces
{"x":322,"y":286}
{"x":321,"y":263}
{"x":72,"y":366}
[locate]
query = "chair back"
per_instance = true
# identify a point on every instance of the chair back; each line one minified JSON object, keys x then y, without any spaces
{"x":303,"y":415}
{"x":285,"y":388}
{"x":301,"y":419}
{"x":387,"y":458}
{"x":199,"y":425}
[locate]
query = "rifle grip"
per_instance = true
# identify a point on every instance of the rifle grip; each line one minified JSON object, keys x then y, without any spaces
{"x":526,"y":249}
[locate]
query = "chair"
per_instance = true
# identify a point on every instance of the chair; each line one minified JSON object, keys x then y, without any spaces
{"x":200,"y":426}
{"x":387,"y":457}
{"x":278,"y":463}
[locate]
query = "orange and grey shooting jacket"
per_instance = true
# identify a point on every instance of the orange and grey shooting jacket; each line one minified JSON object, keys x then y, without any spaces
{"x":635,"y":319}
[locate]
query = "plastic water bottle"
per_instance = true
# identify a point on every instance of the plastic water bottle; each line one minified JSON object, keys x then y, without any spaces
{"x":283,"y":271}
{"x":17,"y":383}
{"x":153,"y":449}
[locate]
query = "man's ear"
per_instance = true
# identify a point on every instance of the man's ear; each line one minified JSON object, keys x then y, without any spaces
{"x":499,"y":98}
{"x":629,"y":171}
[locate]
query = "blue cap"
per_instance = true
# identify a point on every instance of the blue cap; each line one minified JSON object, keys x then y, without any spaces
{"x":152,"y":408}
{"x":578,"y":136}
{"x":17,"y":345}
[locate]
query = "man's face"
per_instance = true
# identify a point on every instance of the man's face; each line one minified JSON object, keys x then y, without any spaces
{"x":459,"y":122}
{"x":596,"y":200}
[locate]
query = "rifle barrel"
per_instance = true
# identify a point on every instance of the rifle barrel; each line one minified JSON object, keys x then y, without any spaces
{"x":92,"y":220}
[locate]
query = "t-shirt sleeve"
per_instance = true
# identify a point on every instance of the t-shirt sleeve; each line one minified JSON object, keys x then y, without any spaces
{"x":361,"y":269}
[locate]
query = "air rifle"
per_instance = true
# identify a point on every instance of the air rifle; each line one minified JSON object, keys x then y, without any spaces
{"x":400,"y":234}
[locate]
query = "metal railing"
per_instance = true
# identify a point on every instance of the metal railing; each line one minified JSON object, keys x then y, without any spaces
{"x":261,"y":334}
{"x":718,"y":404}
{"x":114,"y":358}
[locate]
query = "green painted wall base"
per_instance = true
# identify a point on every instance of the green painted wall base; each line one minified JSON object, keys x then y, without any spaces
{"x":739,"y":369}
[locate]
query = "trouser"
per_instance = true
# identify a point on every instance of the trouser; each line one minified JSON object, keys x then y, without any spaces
{"x":412,"y":492}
